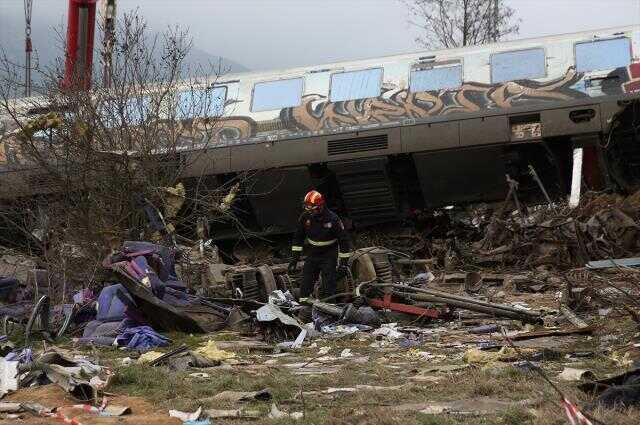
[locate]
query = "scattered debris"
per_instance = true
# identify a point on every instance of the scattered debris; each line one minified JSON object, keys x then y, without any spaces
{"x":149,"y":357}
{"x":552,"y":332}
{"x":232,"y":413}
{"x":186,"y":417}
{"x":211,"y":352}
{"x":484,"y":329}
{"x":622,"y":262}
{"x":477,"y":406}
{"x":276,"y":413}
{"x":237,"y":396}
{"x":571,"y":317}
{"x":389,"y":331}
{"x":506,"y":354}
{"x":8,"y":376}
{"x":514,"y":277}
{"x":357,"y":388}
{"x":571,"y":374}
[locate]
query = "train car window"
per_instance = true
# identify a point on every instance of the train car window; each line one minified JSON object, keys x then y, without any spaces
{"x":603,"y":55}
{"x":133,"y":112}
{"x":518,"y":65}
{"x":201,"y":102}
{"x":137,"y":109}
{"x":279,"y":94}
{"x":437,"y":78}
{"x":355,"y":85}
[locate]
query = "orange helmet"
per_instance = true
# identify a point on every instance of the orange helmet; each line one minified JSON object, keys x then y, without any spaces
{"x":313,"y":201}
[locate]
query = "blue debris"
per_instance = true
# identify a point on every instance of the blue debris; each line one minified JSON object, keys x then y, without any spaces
{"x":142,"y":338}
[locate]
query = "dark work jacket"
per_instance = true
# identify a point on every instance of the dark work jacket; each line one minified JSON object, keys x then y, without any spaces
{"x":320,"y":233}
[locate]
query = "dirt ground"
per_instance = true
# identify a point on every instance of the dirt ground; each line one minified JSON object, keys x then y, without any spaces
{"x":142,"y":411}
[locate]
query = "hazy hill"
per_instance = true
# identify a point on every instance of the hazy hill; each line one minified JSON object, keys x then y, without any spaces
{"x":48,"y":46}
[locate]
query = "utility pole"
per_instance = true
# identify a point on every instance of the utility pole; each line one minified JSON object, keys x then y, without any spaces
{"x":28,"y":48}
{"x":108,"y":11}
{"x":496,"y":15}
{"x":465,"y":22}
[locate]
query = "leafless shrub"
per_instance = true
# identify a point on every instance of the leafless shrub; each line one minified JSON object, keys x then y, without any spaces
{"x":457,"y":23}
{"x":92,"y":161}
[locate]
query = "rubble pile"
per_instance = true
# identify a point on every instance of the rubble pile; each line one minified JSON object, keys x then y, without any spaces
{"x":485,"y":291}
{"x":496,"y":237}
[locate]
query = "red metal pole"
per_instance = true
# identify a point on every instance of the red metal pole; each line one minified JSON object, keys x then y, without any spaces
{"x":386,"y":303}
{"x":81,"y":24}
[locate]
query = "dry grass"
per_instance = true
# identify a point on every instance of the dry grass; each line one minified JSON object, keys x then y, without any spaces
{"x":179,"y":391}
{"x":386,"y":366}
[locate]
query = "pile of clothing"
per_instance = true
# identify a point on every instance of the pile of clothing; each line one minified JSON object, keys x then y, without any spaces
{"x":119,"y":322}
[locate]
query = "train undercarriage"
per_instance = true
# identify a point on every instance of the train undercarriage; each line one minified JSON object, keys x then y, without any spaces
{"x":383,"y":189}
{"x":372,"y":190}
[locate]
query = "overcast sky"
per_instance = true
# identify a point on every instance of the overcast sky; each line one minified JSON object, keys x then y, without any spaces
{"x":268,"y":34}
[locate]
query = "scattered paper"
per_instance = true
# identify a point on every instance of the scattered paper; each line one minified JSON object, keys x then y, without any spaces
{"x":232,"y":413}
{"x":185,"y":416}
{"x":211,"y":352}
{"x":388,"y":330}
{"x":346,"y":353}
{"x":324,"y":350}
{"x":149,"y":356}
{"x":277,"y":413}
{"x":572,"y":374}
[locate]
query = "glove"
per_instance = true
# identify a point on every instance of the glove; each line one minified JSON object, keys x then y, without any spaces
{"x":293,"y":265}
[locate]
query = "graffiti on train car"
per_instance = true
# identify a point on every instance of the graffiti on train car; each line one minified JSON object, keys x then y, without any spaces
{"x":395,"y":106}
{"x":318,"y":115}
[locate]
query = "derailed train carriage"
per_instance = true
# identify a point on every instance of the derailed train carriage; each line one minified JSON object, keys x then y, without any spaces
{"x":386,"y":136}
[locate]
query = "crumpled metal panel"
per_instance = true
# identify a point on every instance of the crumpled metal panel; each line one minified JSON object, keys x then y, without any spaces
{"x":270,"y":312}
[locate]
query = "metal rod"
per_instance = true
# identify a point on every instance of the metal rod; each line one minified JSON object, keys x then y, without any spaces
{"x":576,"y":178}
{"x":406,"y":261}
{"x":535,"y":176}
{"x":461,"y":298}
{"x":447,"y":300}
{"x":497,"y":310}
{"x":514,"y":184}
{"x":467,"y":300}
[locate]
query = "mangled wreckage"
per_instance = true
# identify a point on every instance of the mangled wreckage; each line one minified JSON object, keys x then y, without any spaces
{"x":443,"y":278}
{"x":457,"y":285}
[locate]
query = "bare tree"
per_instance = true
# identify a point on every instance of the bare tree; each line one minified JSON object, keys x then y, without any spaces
{"x":456,"y":23}
{"x":105,"y":165}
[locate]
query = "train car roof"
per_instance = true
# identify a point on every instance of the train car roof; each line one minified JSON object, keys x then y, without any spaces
{"x":381,"y":60}
{"x":459,"y":51}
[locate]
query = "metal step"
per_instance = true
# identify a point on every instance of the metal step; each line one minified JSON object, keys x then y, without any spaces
{"x":366,"y":190}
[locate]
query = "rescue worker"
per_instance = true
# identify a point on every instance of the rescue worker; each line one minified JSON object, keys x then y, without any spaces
{"x":322,"y":231}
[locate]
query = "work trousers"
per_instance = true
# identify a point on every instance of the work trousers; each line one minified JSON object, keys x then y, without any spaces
{"x":320,"y":262}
